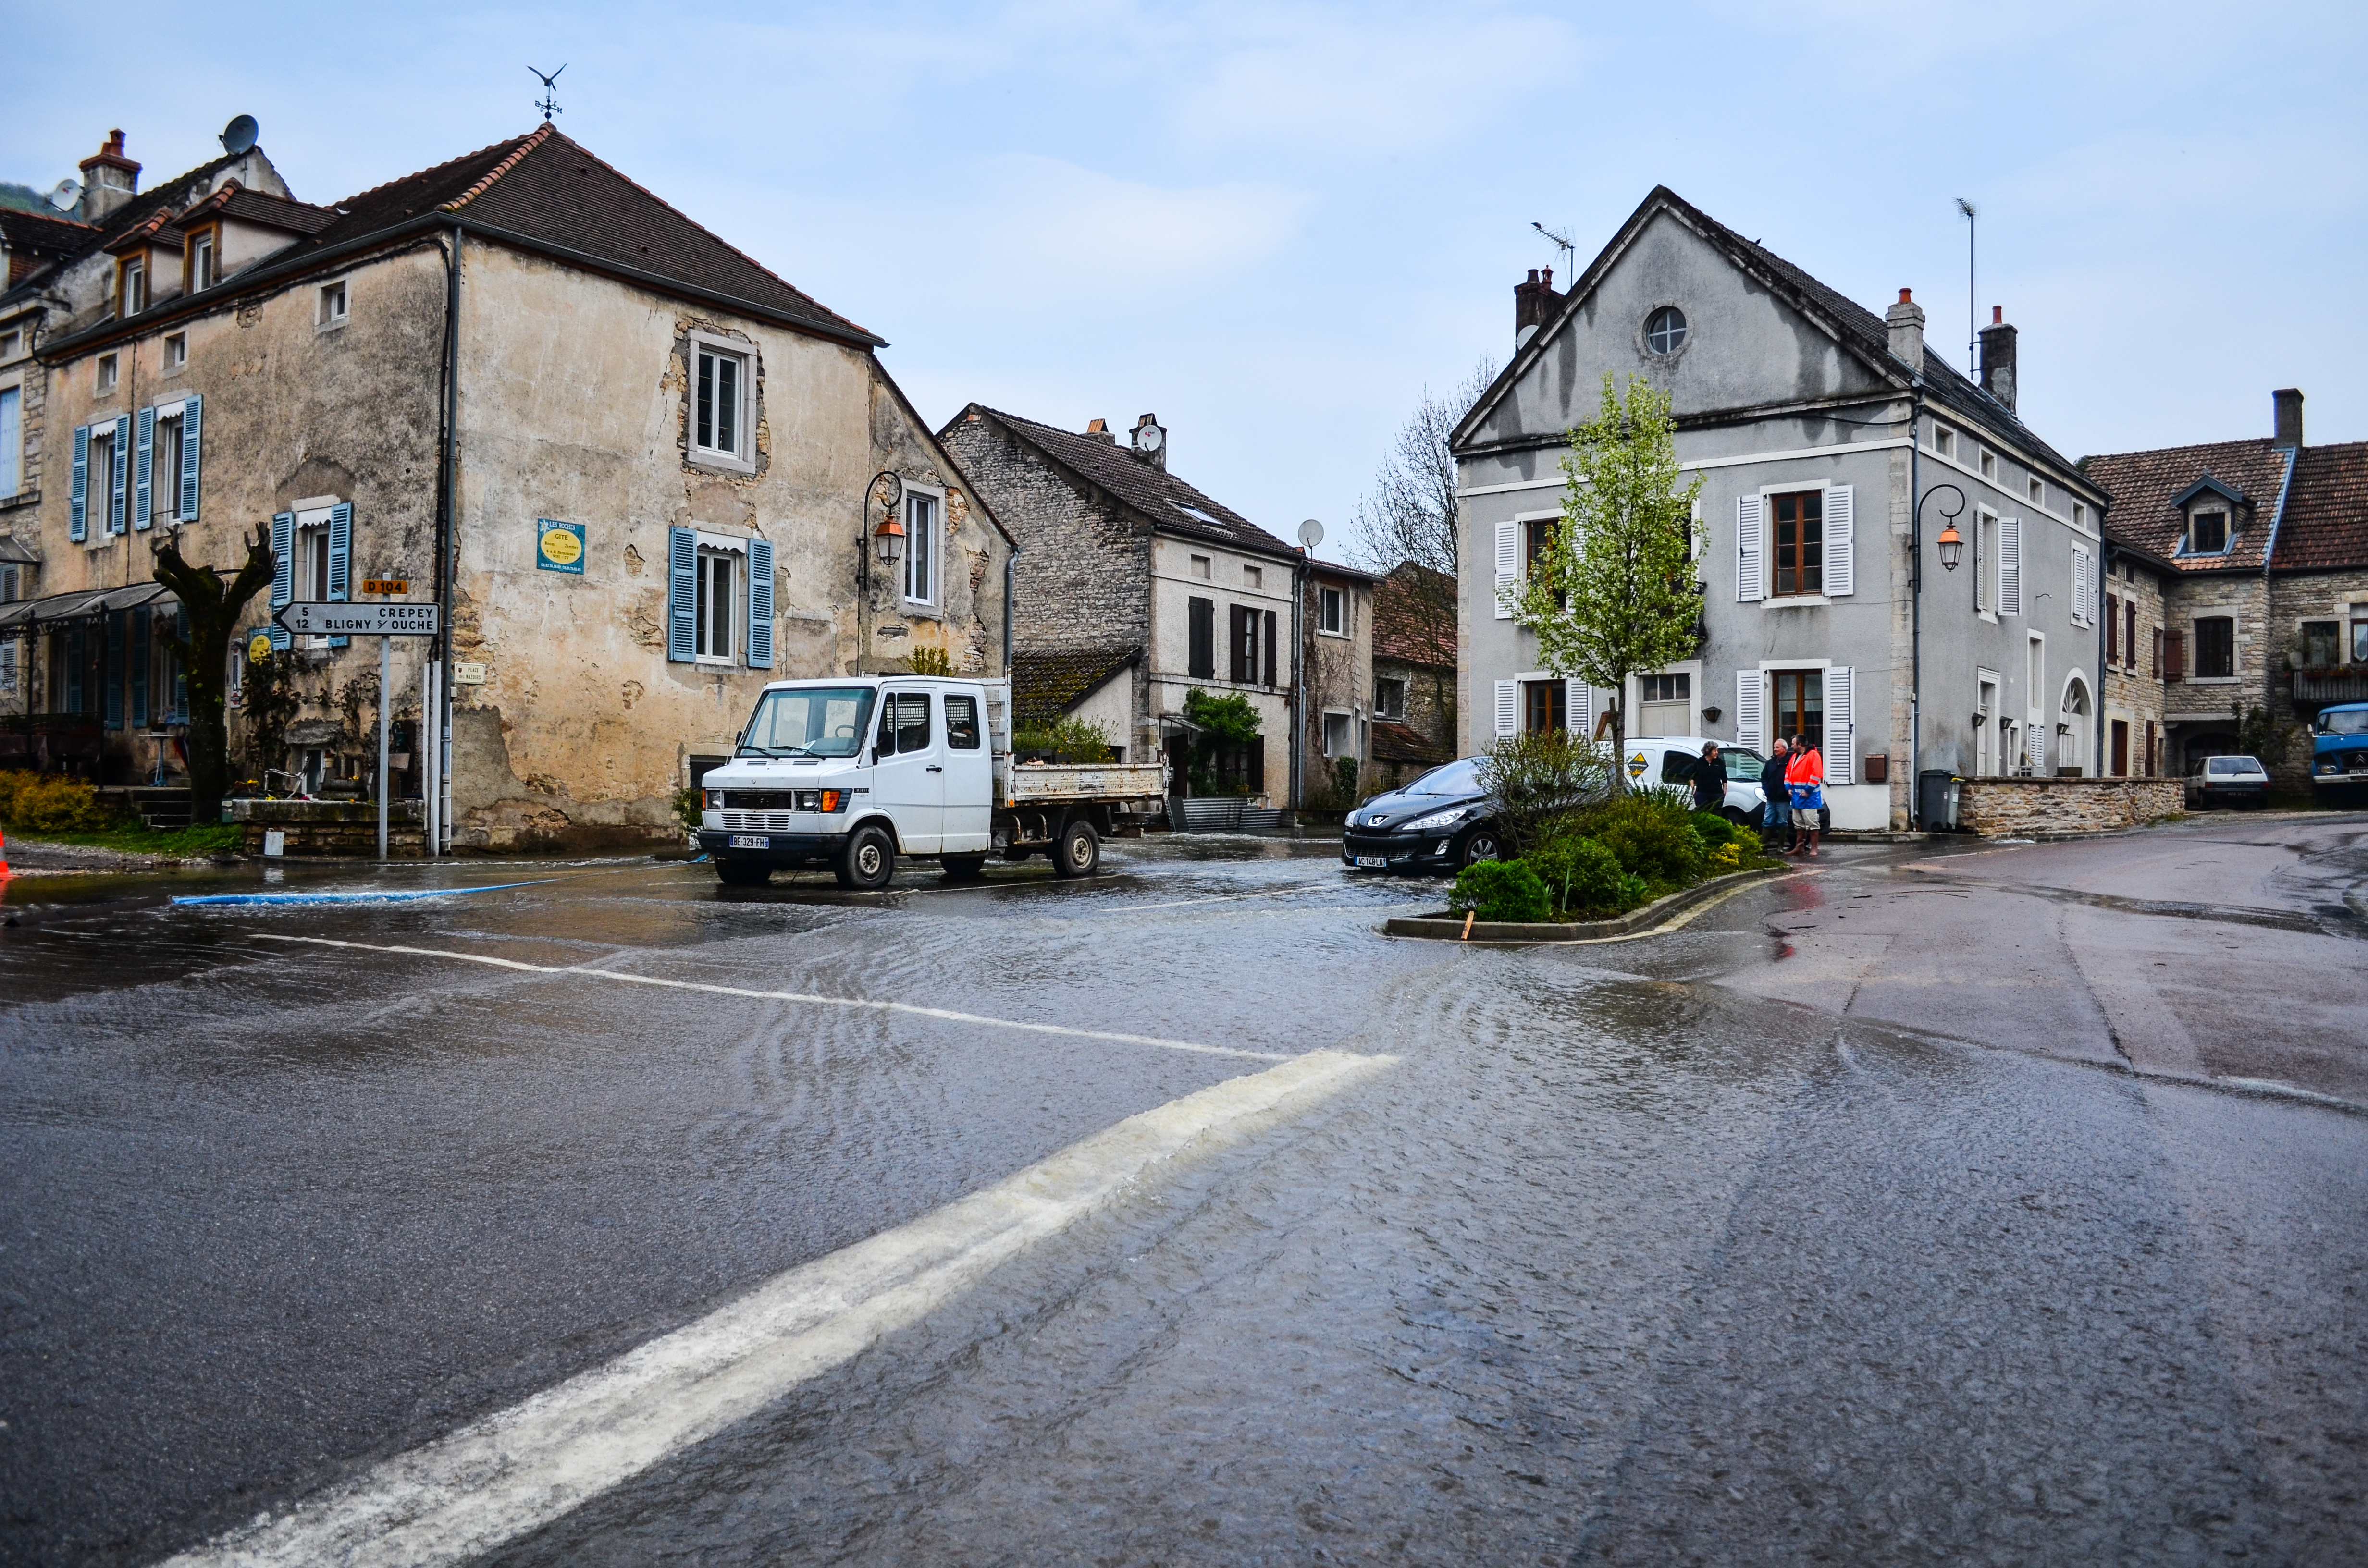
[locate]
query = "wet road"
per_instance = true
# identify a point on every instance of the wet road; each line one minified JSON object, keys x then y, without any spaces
{"x":1870,"y":1217}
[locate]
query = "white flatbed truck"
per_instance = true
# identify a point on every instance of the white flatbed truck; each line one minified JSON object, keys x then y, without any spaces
{"x":853,"y":772}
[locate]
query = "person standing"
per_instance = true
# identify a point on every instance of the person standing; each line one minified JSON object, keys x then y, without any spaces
{"x":1710,"y":780}
{"x":1806,"y":776}
{"x":1776,"y":822}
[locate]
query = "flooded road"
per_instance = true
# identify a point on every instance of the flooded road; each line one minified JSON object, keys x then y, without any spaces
{"x":1716,"y":1246}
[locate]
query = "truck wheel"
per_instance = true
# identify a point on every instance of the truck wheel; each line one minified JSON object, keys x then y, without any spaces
{"x":1078,"y":851}
{"x":742,"y":874}
{"x":869,"y":859}
{"x":963,"y":867}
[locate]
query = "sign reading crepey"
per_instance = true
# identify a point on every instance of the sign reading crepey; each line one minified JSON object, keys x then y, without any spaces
{"x":315,"y":619}
{"x":558,"y":546}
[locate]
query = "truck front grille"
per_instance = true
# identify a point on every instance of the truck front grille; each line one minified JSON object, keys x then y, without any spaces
{"x":777,"y":822}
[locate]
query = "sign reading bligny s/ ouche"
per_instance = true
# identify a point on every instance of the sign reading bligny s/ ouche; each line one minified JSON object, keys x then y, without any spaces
{"x":380,"y":620}
{"x":558,"y":546}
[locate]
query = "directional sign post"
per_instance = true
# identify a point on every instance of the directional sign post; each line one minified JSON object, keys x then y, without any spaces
{"x":381,"y":620}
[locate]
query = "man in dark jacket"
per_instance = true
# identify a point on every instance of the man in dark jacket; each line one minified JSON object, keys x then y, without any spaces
{"x":1778,"y":824}
{"x":1710,"y":780}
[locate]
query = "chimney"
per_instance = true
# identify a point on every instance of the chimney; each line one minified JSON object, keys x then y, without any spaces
{"x":2287,"y":404}
{"x":1533,"y":303}
{"x":1151,"y":441}
{"x":1101,"y":431}
{"x":1998,"y":358}
{"x":1906,"y":321}
{"x":108,"y":181}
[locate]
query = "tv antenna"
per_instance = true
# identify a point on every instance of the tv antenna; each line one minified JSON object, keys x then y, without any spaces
{"x":1562,"y":242}
{"x":548,"y":102}
{"x":1973,"y":311}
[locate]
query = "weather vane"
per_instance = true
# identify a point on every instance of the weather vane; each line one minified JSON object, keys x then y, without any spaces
{"x":548,"y":102}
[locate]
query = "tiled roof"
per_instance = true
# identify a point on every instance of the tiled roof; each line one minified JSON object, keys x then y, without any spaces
{"x":1399,"y":743}
{"x":1405,"y":626}
{"x":1045,"y":686}
{"x":49,"y":232}
{"x":2325,"y":522}
{"x":2143,"y":483}
{"x":139,"y":210}
{"x":235,"y":200}
{"x":1166,"y":502}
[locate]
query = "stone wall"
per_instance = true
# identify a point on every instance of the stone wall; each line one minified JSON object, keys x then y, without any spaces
{"x":2295,"y":598}
{"x":332,"y":827}
{"x":2203,"y":712}
{"x":2134,"y":691}
{"x":2031,"y":807}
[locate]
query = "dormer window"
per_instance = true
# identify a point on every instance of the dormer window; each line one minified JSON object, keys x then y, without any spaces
{"x":132,"y":289}
{"x":2207,"y":532}
{"x":203,"y":272}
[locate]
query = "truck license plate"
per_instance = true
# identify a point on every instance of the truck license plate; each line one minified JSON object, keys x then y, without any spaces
{"x":1377,"y":862}
{"x":751,"y":841}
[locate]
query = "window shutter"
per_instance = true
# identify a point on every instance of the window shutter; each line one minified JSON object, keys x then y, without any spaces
{"x":1841,"y":550}
{"x":1257,"y":760}
{"x":1750,"y":570}
{"x":139,"y":667}
{"x":1238,"y":628}
{"x":111,"y":674}
{"x":2113,"y":630}
{"x":341,"y":559}
{"x":1509,"y":567}
{"x":1270,"y":647}
{"x":2080,"y":616}
{"x":682,"y":596}
{"x":283,"y":569}
{"x":78,"y":507}
{"x":192,"y":411}
{"x":1577,"y":701}
{"x":2035,"y":740}
{"x":119,"y":502}
{"x":2174,"y":655}
{"x":1508,"y":707}
{"x":760,"y":604}
{"x":1202,"y":652}
{"x":1750,"y":695}
{"x":144,"y":469}
{"x":2009,"y":565}
{"x":1841,"y":727}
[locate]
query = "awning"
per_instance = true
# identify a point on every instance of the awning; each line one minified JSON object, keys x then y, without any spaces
{"x":13,"y":549}
{"x":31,"y":618}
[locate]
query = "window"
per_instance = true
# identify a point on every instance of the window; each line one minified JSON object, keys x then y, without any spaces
{"x":2034,"y":669}
{"x":1253,"y":643}
{"x":2322,"y":643}
{"x":102,"y":482}
{"x":1330,"y":615}
{"x":2359,"y":638}
{"x":2216,"y":648}
{"x":107,"y":372}
{"x":1801,"y":705}
{"x":2130,"y":634}
{"x":824,"y":721}
{"x":2037,"y":489}
{"x":2081,"y":513}
{"x":1800,"y":543}
{"x":1990,"y":466}
{"x":961,"y":722}
{"x":903,"y":723}
{"x":920,"y":549}
{"x":2207,"y":533}
{"x":1944,"y":440}
{"x":176,"y":350}
{"x":1389,"y":698}
{"x":201,"y":262}
{"x":332,"y":305}
{"x":166,"y":467}
{"x":12,"y":440}
{"x":1201,"y":567}
{"x":1252,"y":577}
{"x":717,"y":579}
{"x":134,"y":291}
{"x":1535,"y":536}
{"x":1201,"y":658}
{"x":1545,"y":705}
{"x":1986,"y":599}
{"x":1668,"y":688}
{"x":312,"y":562}
{"x":720,"y":408}
{"x":11,"y":343}
{"x":1339,"y":735}
{"x":1664,"y":330}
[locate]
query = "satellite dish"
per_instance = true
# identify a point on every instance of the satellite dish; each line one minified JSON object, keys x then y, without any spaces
{"x":239,"y":135}
{"x":1311,"y":534}
{"x":65,"y":196}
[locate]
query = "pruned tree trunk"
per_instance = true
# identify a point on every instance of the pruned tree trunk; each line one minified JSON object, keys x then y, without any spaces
{"x":211,"y":610}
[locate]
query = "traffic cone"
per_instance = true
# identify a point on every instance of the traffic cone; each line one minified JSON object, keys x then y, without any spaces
{"x":4,"y":857}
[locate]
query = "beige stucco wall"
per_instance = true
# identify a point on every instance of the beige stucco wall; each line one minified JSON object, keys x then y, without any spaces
{"x":1173,"y":587}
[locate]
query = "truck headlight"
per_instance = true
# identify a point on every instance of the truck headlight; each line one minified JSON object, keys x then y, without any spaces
{"x":714,"y":799}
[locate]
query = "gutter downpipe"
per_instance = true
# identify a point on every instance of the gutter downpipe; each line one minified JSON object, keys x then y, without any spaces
{"x":447,"y":532}
{"x":1299,"y":572}
{"x":1916,"y":607}
{"x":2104,"y":670}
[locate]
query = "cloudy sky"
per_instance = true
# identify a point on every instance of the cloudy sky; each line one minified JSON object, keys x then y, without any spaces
{"x":1276,"y":224}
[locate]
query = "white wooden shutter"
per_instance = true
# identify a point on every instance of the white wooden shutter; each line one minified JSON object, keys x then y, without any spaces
{"x":1508,"y":568}
{"x":1750,"y":569}
{"x":2035,"y":741}
{"x":1841,"y":727}
{"x":1842,"y":550}
{"x":1577,"y":708}
{"x":2009,"y":565}
{"x":2084,"y":581}
{"x":1508,"y":707}
{"x":1750,"y":690}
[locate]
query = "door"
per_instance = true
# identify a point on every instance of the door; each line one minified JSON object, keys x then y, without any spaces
{"x":1986,"y":756}
{"x":908,"y":771}
{"x":2121,"y":748}
{"x":970,"y":775}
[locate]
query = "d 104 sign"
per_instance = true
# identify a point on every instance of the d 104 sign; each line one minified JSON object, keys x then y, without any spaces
{"x":310,"y":619}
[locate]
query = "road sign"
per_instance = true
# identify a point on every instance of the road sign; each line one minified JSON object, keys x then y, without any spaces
{"x":386,"y":584}
{"x":357,"y":620}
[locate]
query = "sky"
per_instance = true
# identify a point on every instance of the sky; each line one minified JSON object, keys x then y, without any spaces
{"x":1276,"y":225}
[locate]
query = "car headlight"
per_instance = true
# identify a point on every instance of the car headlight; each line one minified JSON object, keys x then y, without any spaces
{"x":714,"y":799}
{"x":1437,"y":820}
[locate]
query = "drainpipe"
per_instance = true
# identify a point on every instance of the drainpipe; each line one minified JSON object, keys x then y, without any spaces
{"x":439,"y":724}
{"x":1915,"y":606}
{"x":2104,"y":672}
{"x":1298,"y":681}
{"x":1010,"y":580}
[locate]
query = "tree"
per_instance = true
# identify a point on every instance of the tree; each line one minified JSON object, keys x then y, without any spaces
{"x":1614,"y":591}
{"x":211,"y":610}
{"x":1229,"y":727}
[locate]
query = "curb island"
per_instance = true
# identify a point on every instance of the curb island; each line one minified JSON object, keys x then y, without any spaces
{"x":1446,"y":927}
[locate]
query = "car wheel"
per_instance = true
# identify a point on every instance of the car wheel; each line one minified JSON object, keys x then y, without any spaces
{"x":1078,"y":851}
{"x":868,"y":860}
{"x":742,"y":874}
{"x":1737,"y":816}
{"x":963,"y":867}
{"x":1481,"y":846}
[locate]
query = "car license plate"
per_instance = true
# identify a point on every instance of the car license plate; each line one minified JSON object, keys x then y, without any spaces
{"x":1376,"y":861}
{"x":751,"y":841}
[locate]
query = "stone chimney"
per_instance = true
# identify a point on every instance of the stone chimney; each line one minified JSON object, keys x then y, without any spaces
{"x":1906,"y":321}
{"x":1998,"y":358}
{"x":1533,"y":302}
{"x":1101,"y":431}
{"x":108,"y":181}
{"x":1150,"y":439}
{"x":2286,"y":416}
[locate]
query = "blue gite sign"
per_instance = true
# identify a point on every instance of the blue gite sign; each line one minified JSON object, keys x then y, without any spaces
{"x":558,"y":546}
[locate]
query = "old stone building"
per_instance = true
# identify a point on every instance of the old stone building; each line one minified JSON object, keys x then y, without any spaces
{"x":642,"y":474}
{"x":2136,"y":732}
{"x":1414,"y":674}
{"x":1336,"y":674}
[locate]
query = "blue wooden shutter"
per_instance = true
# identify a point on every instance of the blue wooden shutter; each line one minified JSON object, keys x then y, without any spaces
{"x":140,"y":627}
{"x":682,"y":596}
{"x":79,"y":510}
{"x":283,"y":568}
{"x":117,"y":503}
{"x":191,"y":411}
{"x":179,"y":653}
{"x":76,"y":654}
{"x":110,"y":674}
{"x":341,"y":558}
{"x":143,"y":471}
{"x":760,"y":605}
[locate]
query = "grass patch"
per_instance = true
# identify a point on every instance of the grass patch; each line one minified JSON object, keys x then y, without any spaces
{"x":181,"y":843}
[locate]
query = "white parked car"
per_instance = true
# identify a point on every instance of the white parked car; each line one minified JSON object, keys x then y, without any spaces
{"x":1659,"y":759}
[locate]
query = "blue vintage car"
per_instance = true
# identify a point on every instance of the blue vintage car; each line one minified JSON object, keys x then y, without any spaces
{"x":2339,"y":754}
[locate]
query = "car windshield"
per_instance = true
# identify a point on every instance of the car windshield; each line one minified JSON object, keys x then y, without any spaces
{"x":2354,"y":723}
{"x":1742,"y":767}
{"x":817,"y":721}
{"x":2233,"y":765}
{"x":1456,"y":779}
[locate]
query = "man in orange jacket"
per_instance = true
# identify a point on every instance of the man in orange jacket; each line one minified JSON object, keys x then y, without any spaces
{"x":1805,"y":778}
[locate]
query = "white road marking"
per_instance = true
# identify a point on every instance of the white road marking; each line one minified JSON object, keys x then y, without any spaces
{"x":945,"y":1015}
{"x":499,"y":1478}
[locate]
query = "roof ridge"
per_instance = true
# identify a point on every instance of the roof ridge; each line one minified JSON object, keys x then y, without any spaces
{"x":358,"y":198}
{"x":533,"y":139}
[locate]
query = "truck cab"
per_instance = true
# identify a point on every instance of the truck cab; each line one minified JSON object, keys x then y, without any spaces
{"x":2339,"y":752}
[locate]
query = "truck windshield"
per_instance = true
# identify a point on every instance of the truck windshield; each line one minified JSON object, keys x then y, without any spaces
{"x":819,"y":722}
{"x":2353,"y":721}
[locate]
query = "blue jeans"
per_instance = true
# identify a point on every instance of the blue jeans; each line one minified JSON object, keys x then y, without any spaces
{"x":1780,"y":810}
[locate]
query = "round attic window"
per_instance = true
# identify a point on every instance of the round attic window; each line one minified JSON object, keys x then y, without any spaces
{"x":1664,"y":330}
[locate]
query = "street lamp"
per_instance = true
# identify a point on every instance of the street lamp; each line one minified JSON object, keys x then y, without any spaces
{"x":1952,"y":544}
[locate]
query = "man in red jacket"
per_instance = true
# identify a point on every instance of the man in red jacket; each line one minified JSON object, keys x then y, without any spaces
{"x":1805,"y":777}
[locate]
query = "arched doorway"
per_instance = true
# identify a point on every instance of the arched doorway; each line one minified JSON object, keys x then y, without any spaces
{"x":2075,"y":729}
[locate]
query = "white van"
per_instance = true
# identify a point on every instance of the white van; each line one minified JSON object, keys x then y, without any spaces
{"x":1656,"y":759}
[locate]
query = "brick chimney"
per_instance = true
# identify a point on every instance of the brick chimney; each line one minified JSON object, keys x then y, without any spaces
{"x":1998,"y":358}
{"x":1101,"y":431}
{"x":108,"y":181}
{"x":1906,"y":321}
{"x":2286,"y":416}
{"x":1533,"y":302}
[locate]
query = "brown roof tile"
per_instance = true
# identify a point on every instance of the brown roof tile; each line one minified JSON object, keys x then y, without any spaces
{"x":1045,"y":686}
{"x":1400,"y":742}
{"x":2326,"y":521}
{"x":1414,"y":616}
{"x":2143,"y":485}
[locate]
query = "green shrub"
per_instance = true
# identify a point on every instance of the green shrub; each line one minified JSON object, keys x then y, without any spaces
{"x":1581,"y":876}
{"x":1500,"y":890}
{"x":1540,"y":780}
{"x":1652,"y":836}
{"x":1634,"y":893}
{"x":1067,"y":739}
{"x":53,"y":802}
{"x":689,"y":808}
{"x":1712,"y":828}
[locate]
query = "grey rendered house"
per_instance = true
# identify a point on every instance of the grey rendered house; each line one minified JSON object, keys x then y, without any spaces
{"x":1816,"y":424}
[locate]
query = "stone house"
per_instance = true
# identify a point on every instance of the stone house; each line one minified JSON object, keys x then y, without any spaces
{"x":2133,"y":742}
{"x":642,"y":474}
{"x":1414,"y":674}
{"x":1134,"y":589}
{"x":2263,"y":546}
{"x":1819,"y":427}
{"x":1336,"y":674}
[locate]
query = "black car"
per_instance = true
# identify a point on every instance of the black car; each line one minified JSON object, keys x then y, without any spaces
{"x":1442,"y":822}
